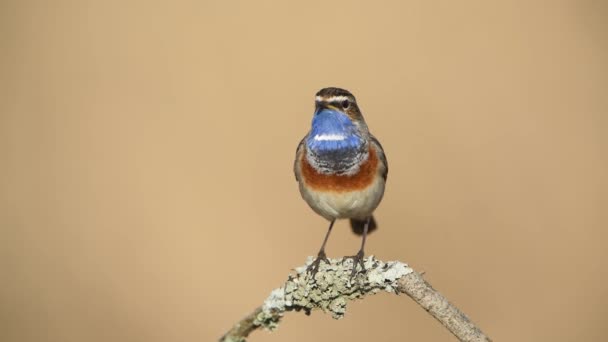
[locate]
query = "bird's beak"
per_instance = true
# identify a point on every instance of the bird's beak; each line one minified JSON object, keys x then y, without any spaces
{"x":325,"y":106}
{"x":318,"y":108}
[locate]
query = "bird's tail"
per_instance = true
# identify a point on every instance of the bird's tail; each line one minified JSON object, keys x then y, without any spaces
{"x":358,"y":225}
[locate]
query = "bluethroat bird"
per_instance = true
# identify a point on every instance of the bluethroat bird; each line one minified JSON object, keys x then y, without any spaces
{"x":341,"y":168}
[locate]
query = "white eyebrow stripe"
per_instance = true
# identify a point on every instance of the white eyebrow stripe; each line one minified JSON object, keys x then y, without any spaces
{"x":338,"y":98}
{"x":329,"y":137}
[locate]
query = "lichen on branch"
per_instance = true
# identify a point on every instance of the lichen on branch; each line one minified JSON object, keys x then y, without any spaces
{"x":331,"y":289}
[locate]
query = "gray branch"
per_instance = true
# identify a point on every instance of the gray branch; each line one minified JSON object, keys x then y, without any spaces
{"x":332,"y":289}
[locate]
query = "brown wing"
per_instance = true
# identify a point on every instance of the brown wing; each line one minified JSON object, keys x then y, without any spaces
{"x":299,"y":151}
{"x":381,"y":155}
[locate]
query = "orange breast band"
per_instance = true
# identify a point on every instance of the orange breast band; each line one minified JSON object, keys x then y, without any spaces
{"x":341,"y":183}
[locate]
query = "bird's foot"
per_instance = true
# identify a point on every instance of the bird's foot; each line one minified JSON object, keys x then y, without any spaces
{"x":357,"y":260}
{"x":313,"y":268}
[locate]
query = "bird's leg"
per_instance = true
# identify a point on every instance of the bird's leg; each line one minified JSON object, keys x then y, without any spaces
{"x":314,"y":267}
{"x":358,"y":258}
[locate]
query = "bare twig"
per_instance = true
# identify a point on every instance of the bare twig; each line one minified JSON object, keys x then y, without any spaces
{"x":332,"y":289}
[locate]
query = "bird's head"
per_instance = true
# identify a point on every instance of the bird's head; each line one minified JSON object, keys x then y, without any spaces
{"x":337,"y":122}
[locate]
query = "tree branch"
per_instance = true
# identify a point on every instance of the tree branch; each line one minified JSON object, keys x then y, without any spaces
{"x":332,"y":289}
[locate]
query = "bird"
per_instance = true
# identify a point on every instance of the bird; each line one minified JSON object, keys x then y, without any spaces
{"x":341,"y":169}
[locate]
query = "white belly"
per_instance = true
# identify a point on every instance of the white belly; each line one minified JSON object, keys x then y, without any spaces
{"x":357,"y":204}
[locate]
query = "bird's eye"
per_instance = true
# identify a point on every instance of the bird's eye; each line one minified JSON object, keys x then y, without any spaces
{"x":345,"y":104}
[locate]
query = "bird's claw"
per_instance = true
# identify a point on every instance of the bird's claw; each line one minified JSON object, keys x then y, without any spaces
{"x":357,"y":259}
{"x":313,"y":268}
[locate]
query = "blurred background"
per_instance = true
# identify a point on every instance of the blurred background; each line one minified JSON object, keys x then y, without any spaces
{"x":146,"y":154}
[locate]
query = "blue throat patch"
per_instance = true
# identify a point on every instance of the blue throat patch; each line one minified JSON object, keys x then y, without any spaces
{"x":333,"y":131}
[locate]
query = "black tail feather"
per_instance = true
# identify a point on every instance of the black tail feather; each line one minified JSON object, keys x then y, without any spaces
{"x":358,"y":225}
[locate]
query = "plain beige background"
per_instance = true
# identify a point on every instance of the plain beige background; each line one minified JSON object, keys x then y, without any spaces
{"x":146,"y":158}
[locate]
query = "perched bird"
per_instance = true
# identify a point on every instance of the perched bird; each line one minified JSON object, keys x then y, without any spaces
{"x":341,"y":168}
